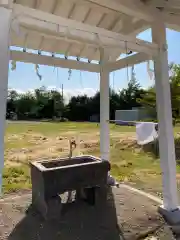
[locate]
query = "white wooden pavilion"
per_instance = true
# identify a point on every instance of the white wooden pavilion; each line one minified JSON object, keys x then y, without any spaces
{"x":98,"y":30}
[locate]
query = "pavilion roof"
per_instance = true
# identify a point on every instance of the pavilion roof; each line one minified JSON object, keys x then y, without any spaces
{"x":43,"y":25}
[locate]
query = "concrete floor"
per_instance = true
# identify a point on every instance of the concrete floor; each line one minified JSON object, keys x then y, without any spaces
{"x":127,"y":215}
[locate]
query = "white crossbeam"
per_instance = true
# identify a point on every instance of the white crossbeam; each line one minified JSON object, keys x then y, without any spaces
{"x":163,"y":3}
{"x":128,"y":7}
{"x":53,"y":61}
{"x":6,"y":3}
{"x":128,"y":61}
{"x":85,"y":33}
{"x":173,"y":21}
{"x":141,"y":11}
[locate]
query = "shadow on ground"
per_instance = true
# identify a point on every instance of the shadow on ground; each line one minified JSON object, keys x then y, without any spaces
{"x":78,"y":221}
{"x":126,"y":213}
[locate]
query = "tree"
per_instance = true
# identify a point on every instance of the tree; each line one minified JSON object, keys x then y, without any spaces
{"x":149,"y":97}
{"x":129,"y":95}
{"x":175,"y":89}
{"x":37,"y":105}
{"x":25,"y":105}
{"x":114,"y":103}
{"x":78,"y":108}
{"x":11,"y":103}
{"x":58,"y":104}
{"x":48,"y":104}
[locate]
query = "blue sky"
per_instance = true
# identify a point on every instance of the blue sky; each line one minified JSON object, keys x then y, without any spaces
{"x":24,"y":78}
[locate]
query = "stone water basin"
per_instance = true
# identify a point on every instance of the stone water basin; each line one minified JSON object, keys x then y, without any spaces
{"x":51,"y":178}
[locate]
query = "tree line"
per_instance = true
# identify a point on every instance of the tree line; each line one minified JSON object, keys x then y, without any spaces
{"x":44,"y":104}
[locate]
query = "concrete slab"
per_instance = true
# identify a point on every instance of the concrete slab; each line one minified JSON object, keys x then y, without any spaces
{"x":172,"y":217}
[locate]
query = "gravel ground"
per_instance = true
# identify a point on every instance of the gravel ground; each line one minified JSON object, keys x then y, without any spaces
{"x":126,"y":215}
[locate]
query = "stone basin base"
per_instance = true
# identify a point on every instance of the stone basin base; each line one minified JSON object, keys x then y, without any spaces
{"x":85,"y":174}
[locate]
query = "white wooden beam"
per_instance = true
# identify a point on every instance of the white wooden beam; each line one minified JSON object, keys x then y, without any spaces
{"x":172,"y":20}
{"x":21,"y":12}
{"x":50,"y":31}
{"x":129,"y":7}
{"x":128,"y":61}
{"x":166,"y":136}
{"x":27,"y":29}
{"x":79,"y":31}
{"x":159,"y":15}
{"x":104,"y":112}
{"x":5,"y":21}
{"x":137,"y":27}
{"x":139,"y":10}
{"x":6,"y":3}
{"x":53,"y":61}
{"x":104,"y":107}
{"x":163,"y":3}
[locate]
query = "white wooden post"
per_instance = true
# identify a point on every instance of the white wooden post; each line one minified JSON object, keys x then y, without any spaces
{"x":104,"y":111}
{"x":104,"y":106}
{"x":5,"y":20}
{"x":166,"y":136}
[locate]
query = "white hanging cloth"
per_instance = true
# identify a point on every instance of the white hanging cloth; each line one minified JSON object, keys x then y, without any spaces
{"x":146,"y":132}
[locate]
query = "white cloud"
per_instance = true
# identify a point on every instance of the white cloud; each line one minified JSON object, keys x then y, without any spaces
{"x":17,"y":90}
{"x":68,"y":93}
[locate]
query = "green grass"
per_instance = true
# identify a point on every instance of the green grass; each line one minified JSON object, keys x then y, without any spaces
{"x":16,"y":178}
{"x":136,"y":167}
{"x":128,"y":164}
{"x":22,"y":143}
{"x":50,"y":128}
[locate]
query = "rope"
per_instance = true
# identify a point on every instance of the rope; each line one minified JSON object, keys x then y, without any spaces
{"x":69,"y":74}
{"x":113,"y":78}
{"x":81,"y":83}
{"x":57,"y":75}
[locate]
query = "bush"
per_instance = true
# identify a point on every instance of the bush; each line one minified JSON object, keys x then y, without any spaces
{"x":174,"y":121}
{"x":153,"y":148}
{"x":63,"y":119}
{"x":149,"y":120}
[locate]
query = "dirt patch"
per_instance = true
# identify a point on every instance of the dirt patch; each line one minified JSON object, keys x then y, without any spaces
{"x":178,"y":176}
{"x":37,"y":146}
{"x":90,"y":144}
{"x":40,"y":147}
{"x":127,"y":143}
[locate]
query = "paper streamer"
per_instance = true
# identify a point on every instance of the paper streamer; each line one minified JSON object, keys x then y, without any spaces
{"x":150,"y":71}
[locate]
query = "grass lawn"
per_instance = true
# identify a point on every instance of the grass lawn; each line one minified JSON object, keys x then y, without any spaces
{"x":25,"y":142}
